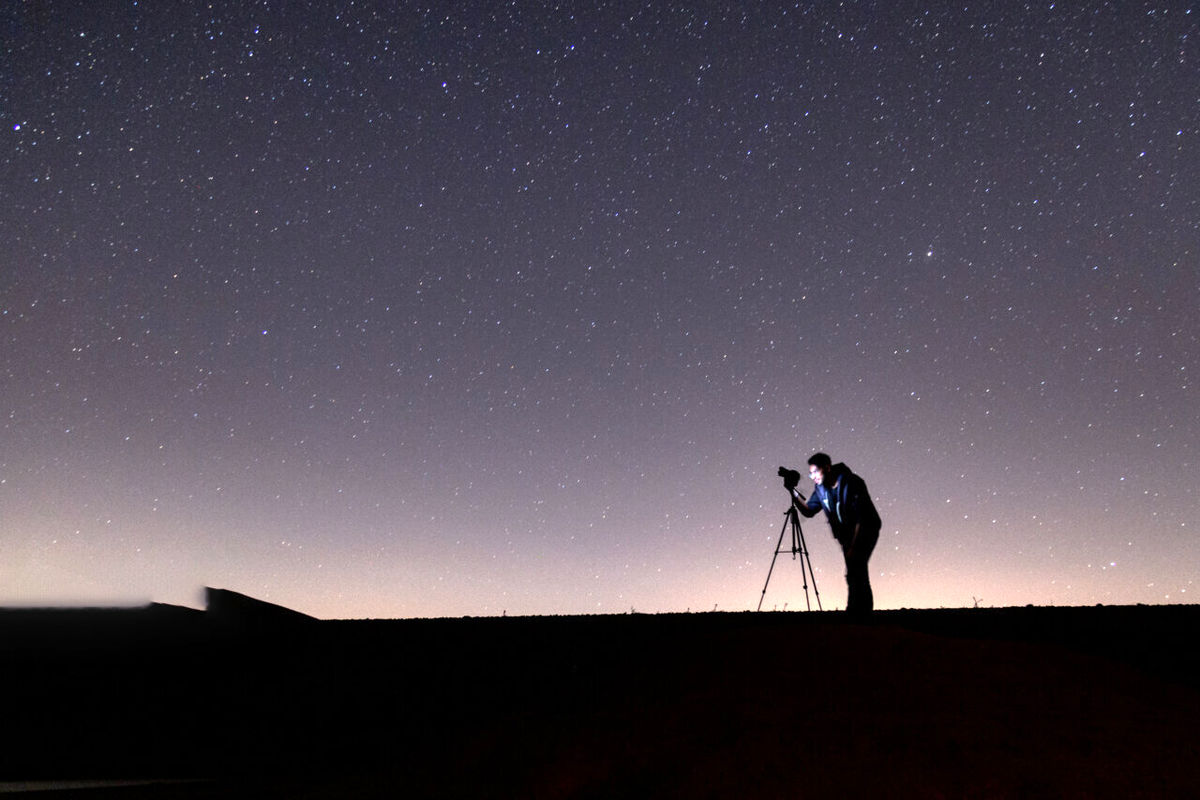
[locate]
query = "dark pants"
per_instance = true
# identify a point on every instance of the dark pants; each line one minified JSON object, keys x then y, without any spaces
{"x":859,"y":599}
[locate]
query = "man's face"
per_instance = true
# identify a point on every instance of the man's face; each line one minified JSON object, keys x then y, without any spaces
{"x":816,"y":473}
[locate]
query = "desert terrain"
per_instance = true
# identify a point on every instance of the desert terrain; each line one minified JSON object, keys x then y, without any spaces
{"x":248,"y":699}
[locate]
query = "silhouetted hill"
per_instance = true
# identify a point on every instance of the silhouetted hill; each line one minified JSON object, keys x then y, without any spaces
{"x":1023,"y":702}
{"x":237,"y":609}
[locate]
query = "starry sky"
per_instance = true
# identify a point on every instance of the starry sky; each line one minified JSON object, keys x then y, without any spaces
{"x":379,"y":309}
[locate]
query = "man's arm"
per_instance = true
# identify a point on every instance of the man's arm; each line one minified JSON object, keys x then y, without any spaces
{"x":858,"y":503}
{"x":808,"y":508}
{"x":853,"y":540}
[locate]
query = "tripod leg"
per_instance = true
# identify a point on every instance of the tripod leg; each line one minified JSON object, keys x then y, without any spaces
{"x":798,"y":547}
{"x":778,"y":545}
{"x":804,"y":558}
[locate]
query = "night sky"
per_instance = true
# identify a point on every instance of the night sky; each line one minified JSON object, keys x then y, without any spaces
{"x":391,"y":312}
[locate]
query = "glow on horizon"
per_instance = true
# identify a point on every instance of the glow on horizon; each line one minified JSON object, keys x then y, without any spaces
{"x":724,"y":573}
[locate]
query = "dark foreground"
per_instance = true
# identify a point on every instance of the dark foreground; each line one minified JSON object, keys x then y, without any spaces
{"x":247,"y":700}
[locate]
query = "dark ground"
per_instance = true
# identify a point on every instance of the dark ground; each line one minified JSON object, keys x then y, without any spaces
{"x":251,"y":701}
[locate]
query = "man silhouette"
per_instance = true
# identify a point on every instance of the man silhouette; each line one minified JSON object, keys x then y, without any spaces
{"x":855,"y":523}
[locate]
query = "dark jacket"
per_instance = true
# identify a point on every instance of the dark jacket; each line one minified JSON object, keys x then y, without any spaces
{"x":844,"y":498}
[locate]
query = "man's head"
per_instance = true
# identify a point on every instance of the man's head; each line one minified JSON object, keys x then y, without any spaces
{"x":818,"y":467}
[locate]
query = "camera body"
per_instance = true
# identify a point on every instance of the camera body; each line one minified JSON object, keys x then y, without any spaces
{"x":791,"y":478}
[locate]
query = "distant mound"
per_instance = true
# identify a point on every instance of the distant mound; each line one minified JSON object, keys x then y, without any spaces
{"x":230,"y":607}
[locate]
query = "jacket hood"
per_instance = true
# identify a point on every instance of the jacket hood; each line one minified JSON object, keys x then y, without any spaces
{"x":836,"y":471}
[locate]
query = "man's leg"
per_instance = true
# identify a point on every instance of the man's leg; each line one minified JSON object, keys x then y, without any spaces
{"x":854,"y":598}
{"x":860,"y":599}
{"x":858,"y":587}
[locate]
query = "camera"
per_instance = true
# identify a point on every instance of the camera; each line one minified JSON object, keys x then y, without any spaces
{"x":791,"y":478}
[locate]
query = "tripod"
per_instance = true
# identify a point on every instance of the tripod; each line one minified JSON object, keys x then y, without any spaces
{"x":799,"y":546}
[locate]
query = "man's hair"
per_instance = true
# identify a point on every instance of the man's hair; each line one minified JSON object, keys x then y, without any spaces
{"x":820,"y":461}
